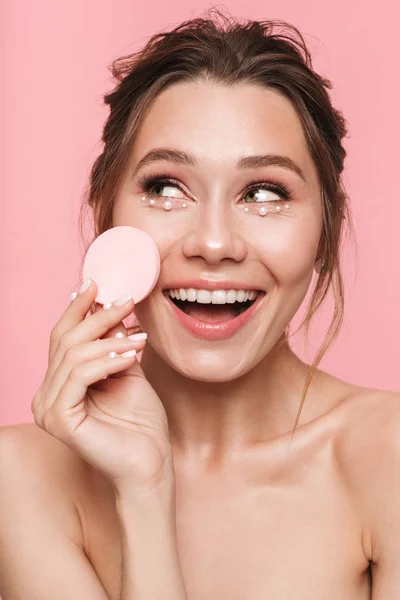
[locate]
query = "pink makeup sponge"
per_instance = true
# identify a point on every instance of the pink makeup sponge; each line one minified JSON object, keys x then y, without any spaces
{"x":122,"y":260}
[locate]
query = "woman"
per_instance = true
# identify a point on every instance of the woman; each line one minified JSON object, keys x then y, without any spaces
{"x":220,"y":466}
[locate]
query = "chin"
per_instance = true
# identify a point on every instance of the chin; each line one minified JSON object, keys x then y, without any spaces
{"x":210,"y":367}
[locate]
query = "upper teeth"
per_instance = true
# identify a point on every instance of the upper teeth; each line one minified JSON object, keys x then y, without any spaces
{"x":214,"y":297}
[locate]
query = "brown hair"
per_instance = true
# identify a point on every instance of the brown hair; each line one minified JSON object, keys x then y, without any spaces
{"x":233,"y":52}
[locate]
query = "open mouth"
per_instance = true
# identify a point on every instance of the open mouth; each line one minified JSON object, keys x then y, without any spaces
{"x":213,"y":313}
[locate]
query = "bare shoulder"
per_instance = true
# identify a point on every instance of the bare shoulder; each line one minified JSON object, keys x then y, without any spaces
{"x":369,"y":420}
{"x":36,"y":463}
{"x":367,"y":447}
{"x":362,"y":423}
{"x":41,"y":533}
{"x":26,"y":443}
{"x":29,"y":435}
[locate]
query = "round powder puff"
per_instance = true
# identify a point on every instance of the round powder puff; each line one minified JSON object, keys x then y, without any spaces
{"x":122,"y":260}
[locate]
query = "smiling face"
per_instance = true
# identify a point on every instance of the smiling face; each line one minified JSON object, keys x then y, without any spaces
{"x":213,"y":230}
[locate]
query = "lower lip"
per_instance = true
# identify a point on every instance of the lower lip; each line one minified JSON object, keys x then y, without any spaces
{"x":214,"y":331}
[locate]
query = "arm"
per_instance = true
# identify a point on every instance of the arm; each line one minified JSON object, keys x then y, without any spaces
{"x":40,"y":553}
{"x":150,"y":561}
{"x":384,"y":511}
{"x":373,"y":465}
{"x":42,"y":556}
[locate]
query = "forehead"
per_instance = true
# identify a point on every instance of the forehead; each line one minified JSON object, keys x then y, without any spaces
{"x":218,"y":123}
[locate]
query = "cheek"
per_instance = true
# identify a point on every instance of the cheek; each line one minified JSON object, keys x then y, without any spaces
{"x":289,"y":251}
{"x":153,"y":223}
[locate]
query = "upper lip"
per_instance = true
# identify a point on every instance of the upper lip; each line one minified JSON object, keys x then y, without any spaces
{"x":207,"y":284}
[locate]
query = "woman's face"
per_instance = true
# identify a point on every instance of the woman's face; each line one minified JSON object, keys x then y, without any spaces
{"x":213,"y":237}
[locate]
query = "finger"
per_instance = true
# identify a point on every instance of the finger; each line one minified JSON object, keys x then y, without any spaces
{"x":89,"y":329}
{"x":68,"y":409}
{"x":136,"y":330}
{"x":80,"y":304}
{"x":79,"y":355}
{"x":75,"y":312}
{"x":119,"y":329}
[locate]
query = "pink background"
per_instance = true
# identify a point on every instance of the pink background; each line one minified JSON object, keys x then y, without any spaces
{"x":54,"y":57}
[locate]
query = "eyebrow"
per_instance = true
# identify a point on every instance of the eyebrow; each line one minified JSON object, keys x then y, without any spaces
{"x":247,"y":162}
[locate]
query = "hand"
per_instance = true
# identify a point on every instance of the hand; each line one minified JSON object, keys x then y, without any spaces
{"x":118,"y":423}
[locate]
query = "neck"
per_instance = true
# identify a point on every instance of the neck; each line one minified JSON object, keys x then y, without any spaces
{"x":213,"y":419}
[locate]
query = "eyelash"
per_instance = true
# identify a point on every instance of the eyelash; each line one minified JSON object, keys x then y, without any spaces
{"x":148,"y":182}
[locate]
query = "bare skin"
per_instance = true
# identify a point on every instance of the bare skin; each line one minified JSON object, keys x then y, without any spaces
{"x":272,"y":523}
{"x":255,"y":517}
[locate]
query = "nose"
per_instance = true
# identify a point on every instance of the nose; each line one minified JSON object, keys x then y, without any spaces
{"x":214,"y":236}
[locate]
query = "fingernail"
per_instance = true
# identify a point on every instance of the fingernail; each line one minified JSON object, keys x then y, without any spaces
{"x":138,"y":336}
{"x":119,"y":334}
{"x":73,"y":295}
{"x":107,"y":306}
{"x":112,"y":355}
{"x":128,"y":354}
{"x":85,"y":285}
{"x":122,"y":300}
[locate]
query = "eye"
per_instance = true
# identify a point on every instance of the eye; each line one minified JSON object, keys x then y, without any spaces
{"x":153,"y":184}
{"x":270,"y":192}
